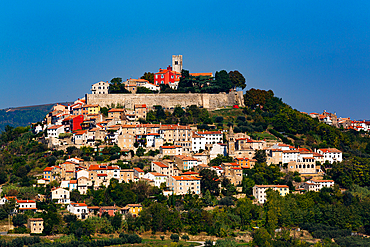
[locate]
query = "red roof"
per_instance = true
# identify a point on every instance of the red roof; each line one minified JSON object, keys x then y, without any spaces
{"x":76,"y":204}
{"x":25,"y":201}
{"x":209,"y":132}
{"x":48,"y":169}
{"x":160,"y":164}
{"x":138,"y":169}
{"x":182,"y":178}
{"x":55,"y":127}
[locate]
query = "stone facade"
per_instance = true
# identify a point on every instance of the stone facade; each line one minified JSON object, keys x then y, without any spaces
{"x":168,"y":101}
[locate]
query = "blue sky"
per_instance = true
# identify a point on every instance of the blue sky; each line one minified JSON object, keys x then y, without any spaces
{"x":313,"y":54}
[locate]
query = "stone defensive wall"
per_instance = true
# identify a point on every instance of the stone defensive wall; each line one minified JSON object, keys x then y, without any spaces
{"x":209,"y":101}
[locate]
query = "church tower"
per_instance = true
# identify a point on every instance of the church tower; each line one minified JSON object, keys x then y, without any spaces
{"x":177,"y":63}
{"x":231,"y":141}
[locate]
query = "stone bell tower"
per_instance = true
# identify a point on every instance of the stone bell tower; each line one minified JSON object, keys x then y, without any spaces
{"x":177,"y":63}
{"x":231,"y":141}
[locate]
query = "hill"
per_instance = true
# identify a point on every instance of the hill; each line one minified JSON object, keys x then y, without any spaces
{"x":25,"y":115}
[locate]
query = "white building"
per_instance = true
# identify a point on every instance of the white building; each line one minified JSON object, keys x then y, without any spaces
{"x":322,"y":183}
{"x":6,"y":199}
{"x":197,"y":143}
{"x":158,"y":178}
{"x":290,"y":155}
{"x":331,"y":154}
{"x":78,"y":209}
{"x":259,"y":191}
{"x":55,"y":130}
{"x":218,"y":148}
{"x":60,"y":194}
{"x":100,"y":88}
{"x":26,"y":205}
{"x":212,"y":137}
{"x":151,"y":86}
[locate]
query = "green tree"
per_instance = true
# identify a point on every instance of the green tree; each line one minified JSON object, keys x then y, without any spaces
{"x":175,"y":237}
{"x":140,"y":151}
{"x":209,"y":181}
{"x":149,"y":76}
{"x":19,"y":220}
{"x":260,"y":156}
{"x":117,"y":221}
{"x":237,"y":79}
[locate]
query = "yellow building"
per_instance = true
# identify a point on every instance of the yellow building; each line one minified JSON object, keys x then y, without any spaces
{"x":36,"y":225}
{"x":91,"y":109}
{"x":134,"y":209}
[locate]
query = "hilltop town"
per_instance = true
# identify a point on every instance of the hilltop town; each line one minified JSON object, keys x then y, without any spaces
{"x":126,"y":150}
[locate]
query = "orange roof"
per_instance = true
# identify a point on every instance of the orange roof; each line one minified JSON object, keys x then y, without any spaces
{"x":48,"y":169}
{"x":73,"y":181}
{"x":80,"y":132}
{"x":330,"y":150}
{"x":160,"y":164}
{"x":184,"y":157}
{"x":202,"y":74}
{"x":140,"y":106}
{"x":116,"y":110}
{"x":209,"y":132}
{"x":273,"y":186}
{"x":55,"y":127}
{"x":183,"y":178}
{"x":76,"y":204}
{"x":158,"y":174}
{"x":25,"y":201}
{"x":138,"y":169}
{"x":322,"y":181}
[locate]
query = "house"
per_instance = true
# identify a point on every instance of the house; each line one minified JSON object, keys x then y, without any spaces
{"x":100,"y":88}
{"x":151,"y":86}
{"x":24,"y":205}
{"x":61,"y":195}
{"x":245,"y":163}
{"x":125,"y":140}
{"x":259,"y":191}
{"x":50,"y":174}
{"x":138,"y":172}
{"x":90,"y":109}
{"x":211,"y":137}
{"x":331,"y":154}
{"x":73,"y":123}
{"x":216,"y":149}
{"x":36,"y":225}
{"x":7,"y":199}
{"x":79,"y":137}
{"x":117,"y":113}
{"x":323,"y":183}
{"x":198,"y":143}
{"x":175,"y":133}
{"x":110,"y":210}
{"x":185,"y":162}
{"x":140,"y":111}
{"x":218,"y":169}
{"x":181,"y":185}
{"x":166,"y":76}
{"x":166,"y":167}
{"x":158,"y":178}
{"x":78,"y":209}
{"x":133,"y":209}
{"x":126,"y":175}
{"x":154,"y":140}
{"x":170,"y":150}
{"x":55,"y":131}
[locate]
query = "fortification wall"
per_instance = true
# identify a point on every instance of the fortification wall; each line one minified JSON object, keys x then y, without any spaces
{"x":209,"y":101}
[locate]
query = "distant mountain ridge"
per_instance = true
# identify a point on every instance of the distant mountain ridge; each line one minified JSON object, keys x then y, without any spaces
{"x":25,"y":115}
